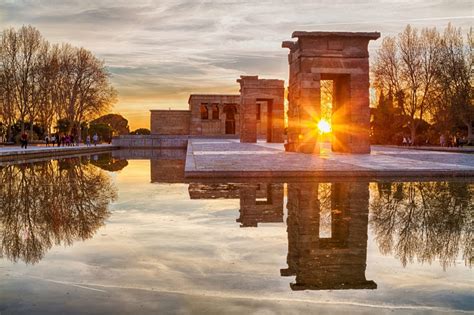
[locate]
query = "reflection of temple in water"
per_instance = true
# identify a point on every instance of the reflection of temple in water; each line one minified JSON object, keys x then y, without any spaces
{"x":259,"y":203}
{"x":337,"y":261}
{"x":319,"y":260}
{"x":166,"y":165}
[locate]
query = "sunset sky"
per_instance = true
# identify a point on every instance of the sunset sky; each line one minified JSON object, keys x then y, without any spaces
{"x":161,"y":51}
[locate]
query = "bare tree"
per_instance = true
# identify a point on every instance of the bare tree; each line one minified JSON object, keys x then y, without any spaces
{"x":8,"y":52}
{"x":41,"y":83}
{"x":48,"y":79}
{"x":85,"y":88}
{"x":455,"y":80}
{"x":21,"y":50}
{"x":406,"y":67}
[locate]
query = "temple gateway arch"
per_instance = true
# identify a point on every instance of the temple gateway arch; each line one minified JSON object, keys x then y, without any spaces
{"x":342,"y":57}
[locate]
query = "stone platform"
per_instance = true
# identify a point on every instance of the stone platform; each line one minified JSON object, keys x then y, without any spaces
{"x":213,"y":158}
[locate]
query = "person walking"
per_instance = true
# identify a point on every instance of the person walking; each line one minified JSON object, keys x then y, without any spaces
{"x":53,"y":140}
{"x":24,"y":140}
{"x":95,"y":138}
{"x":46,"y":140}
{"x":88,"y":140}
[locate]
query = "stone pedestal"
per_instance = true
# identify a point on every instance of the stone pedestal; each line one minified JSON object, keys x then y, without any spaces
{"x":339,"y":56}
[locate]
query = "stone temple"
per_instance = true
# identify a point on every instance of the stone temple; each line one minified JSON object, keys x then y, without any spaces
{"x":258,"y":112}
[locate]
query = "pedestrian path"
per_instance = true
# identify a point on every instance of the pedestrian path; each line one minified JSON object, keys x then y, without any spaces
{"x":10,"y":153}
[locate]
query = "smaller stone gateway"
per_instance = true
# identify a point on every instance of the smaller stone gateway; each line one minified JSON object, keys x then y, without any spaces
{"x":256,"y":93}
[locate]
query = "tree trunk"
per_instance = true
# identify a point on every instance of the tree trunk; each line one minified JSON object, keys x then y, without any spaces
{"x":413,"y":134}
{"x":79,"y":133}
{"x":470,"y":136}
{"x":9,"y":133}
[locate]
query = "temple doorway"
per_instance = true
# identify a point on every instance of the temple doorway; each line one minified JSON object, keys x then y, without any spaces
{"x":230,"y":111}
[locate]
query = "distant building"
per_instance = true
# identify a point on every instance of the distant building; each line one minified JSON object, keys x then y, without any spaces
{"x":208,"y":115}
{"x":257,"y":112}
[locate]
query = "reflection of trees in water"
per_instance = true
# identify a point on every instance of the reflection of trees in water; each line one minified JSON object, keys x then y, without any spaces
{"x":324,"y":196}
{"x":108,"y":162}
{"x":50,"y":203}
{"x":424,"y":220}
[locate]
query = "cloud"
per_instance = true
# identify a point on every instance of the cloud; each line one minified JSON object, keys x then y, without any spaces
{"x":160,"y":51}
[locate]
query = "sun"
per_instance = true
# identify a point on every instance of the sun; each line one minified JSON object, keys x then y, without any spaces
{"x":324,"y":126}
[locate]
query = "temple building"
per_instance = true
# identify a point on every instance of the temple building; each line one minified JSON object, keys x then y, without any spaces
{"x":261,"y":102}
{"x":315,"y":58}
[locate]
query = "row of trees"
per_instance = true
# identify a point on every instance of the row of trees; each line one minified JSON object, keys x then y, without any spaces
{"x":424,"y":77}
{"x":41,"y":83}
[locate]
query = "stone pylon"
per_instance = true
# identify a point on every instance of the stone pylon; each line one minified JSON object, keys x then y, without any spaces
{"x":342,"y":57}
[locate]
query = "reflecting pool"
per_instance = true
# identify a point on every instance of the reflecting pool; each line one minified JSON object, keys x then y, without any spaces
{"x":125,"y":233}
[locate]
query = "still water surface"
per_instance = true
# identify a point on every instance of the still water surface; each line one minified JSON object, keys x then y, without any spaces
{"x":103,"y":234}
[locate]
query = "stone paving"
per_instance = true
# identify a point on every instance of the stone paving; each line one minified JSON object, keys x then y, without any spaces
{"x":208,"y":158}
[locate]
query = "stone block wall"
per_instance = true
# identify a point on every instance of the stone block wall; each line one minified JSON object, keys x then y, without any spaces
{"x":150,"y":141}
{"x":170,"y":122}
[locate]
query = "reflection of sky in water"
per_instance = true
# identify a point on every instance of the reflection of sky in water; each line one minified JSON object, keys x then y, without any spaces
{"x":160,"y":252}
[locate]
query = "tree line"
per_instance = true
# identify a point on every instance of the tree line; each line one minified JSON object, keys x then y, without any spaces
{"x":424,"y":85}
{"x":42,"y":83}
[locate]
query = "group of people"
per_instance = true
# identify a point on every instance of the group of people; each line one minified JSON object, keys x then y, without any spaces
{"x":450,"y":141}
{"x":60,"y":140}
{"x":69,"y":140}
{"x":407,"y":142}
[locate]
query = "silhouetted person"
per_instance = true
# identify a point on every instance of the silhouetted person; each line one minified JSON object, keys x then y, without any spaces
{"x":442,"y":140}
{"x":95,"y":138}
{"x":24,"y":140}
